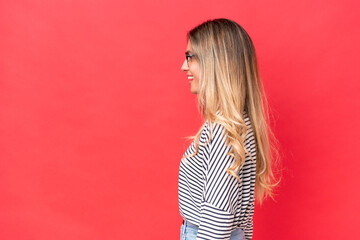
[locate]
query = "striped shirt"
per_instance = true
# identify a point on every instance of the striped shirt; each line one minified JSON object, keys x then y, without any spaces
{"x":211,"y":198}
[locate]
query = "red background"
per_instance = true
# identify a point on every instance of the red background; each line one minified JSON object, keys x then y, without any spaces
{"x":94,"y":110}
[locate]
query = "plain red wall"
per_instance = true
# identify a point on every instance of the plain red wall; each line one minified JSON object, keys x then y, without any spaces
{"x":94,"y":111}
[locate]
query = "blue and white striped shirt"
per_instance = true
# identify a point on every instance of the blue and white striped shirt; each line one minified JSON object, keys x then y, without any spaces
{"x":211,"y":198}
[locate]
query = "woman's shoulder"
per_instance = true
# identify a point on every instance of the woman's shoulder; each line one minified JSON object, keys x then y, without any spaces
{"x":216,"y":125}
{"x":213,"y":123}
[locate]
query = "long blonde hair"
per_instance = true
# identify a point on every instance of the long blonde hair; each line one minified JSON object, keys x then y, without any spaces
{"x":229,"y":82}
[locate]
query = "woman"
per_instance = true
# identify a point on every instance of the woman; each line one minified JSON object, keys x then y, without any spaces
{"x":230,"y":155}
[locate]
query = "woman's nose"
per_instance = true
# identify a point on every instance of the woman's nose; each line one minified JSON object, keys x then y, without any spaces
{"x":184,"y":67}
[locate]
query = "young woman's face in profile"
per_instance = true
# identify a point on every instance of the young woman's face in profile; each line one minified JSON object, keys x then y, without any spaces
{"x":192,"y":70}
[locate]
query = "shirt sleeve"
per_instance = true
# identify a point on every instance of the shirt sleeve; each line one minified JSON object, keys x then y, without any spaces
{"x":220,"y":193}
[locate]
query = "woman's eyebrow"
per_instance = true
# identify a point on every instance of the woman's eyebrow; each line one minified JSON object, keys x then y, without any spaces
{"x":188,"y":52}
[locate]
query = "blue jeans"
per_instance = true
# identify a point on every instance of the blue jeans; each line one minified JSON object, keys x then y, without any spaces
{"x":188,"y":231}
